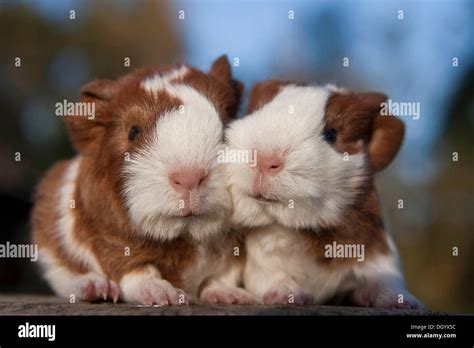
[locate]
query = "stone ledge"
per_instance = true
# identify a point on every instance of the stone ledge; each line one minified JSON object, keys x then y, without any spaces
{"x":52,"y":305}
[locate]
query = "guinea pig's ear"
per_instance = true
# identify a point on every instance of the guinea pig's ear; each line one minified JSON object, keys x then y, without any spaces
{"x":99,"y":90}
{"x":386,"y":135}
{"x":87,"y":130}
{"x":221,"y":70}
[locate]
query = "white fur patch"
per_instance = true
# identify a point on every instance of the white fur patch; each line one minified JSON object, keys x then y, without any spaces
{"x":57,"y":276}
{"x":316,"y":183}
{"x":185,"y":138}
{"x":147,"y":287}
{"x":277,"y":258}
{"x":66,"y":283}
{"x":65,"y":223}
{"x":131,"y":283}
{"x":159,"y":82}
{"x":334,"y":88}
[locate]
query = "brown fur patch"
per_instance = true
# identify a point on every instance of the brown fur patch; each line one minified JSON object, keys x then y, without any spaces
{"x":263,"y":92}
{"x":361,"y":224}
{"x":45,"y":217}
{"x":99,"y":226}
{"x":225,"y":96}
{"x":359,"y":126}
{"x":351,"y":119}
{"x":112,"y":100}
{"x":386,"y":140}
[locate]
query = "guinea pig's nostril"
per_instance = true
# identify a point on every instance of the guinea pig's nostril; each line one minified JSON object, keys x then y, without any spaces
{"x":274,"y":163}
{"x":270,"y":165}
{"x":274,"y":168}
{"x":175,"y":179}
{"x":187,"y":179}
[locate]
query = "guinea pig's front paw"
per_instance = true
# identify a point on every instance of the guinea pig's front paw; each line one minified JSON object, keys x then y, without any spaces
{"x":154,"y":291}
{"x":286,"y":296}
{"x":161,"y":292}
{"x":386,"y":297}
{"x":397,"y":299}
{"x":95,"y":287}
{"x":227,"y":295}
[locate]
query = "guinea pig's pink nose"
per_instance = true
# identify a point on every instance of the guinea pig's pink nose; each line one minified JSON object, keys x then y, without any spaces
{"x":269,"y":165}
{"x":187,"y":179}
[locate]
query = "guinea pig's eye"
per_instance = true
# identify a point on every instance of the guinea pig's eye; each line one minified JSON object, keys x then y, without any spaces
{"x":133,"y":132}
{"x":330,"y":135}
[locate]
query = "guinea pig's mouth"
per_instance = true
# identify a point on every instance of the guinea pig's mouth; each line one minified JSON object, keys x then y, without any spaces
{"x":263,"y":199}
{"x":189,"y":214}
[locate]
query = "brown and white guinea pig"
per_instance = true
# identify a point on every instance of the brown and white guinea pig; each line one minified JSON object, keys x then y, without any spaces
{"x":141,"y":213}
{"x":308,"y":203}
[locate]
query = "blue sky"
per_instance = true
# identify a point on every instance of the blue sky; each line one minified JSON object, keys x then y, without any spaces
{"x":409,"y":59}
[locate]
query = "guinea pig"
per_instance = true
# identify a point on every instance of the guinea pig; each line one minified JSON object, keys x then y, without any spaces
{"x":307,"y":201}
{"x":141,"y":213}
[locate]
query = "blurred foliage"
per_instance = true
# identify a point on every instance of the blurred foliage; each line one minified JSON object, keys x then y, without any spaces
{"x":439,"y":215}
{"x":101,"y":33}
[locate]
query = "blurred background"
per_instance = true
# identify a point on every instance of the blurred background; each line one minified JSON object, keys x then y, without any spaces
{"x":424,"y":54}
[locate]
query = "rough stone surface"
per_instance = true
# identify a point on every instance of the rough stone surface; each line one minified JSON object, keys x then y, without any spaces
{"x":51,"y":305}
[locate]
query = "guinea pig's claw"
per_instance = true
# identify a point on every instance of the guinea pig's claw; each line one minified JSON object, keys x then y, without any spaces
{"x":113,"y":291}
{"x":94,"y":287}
